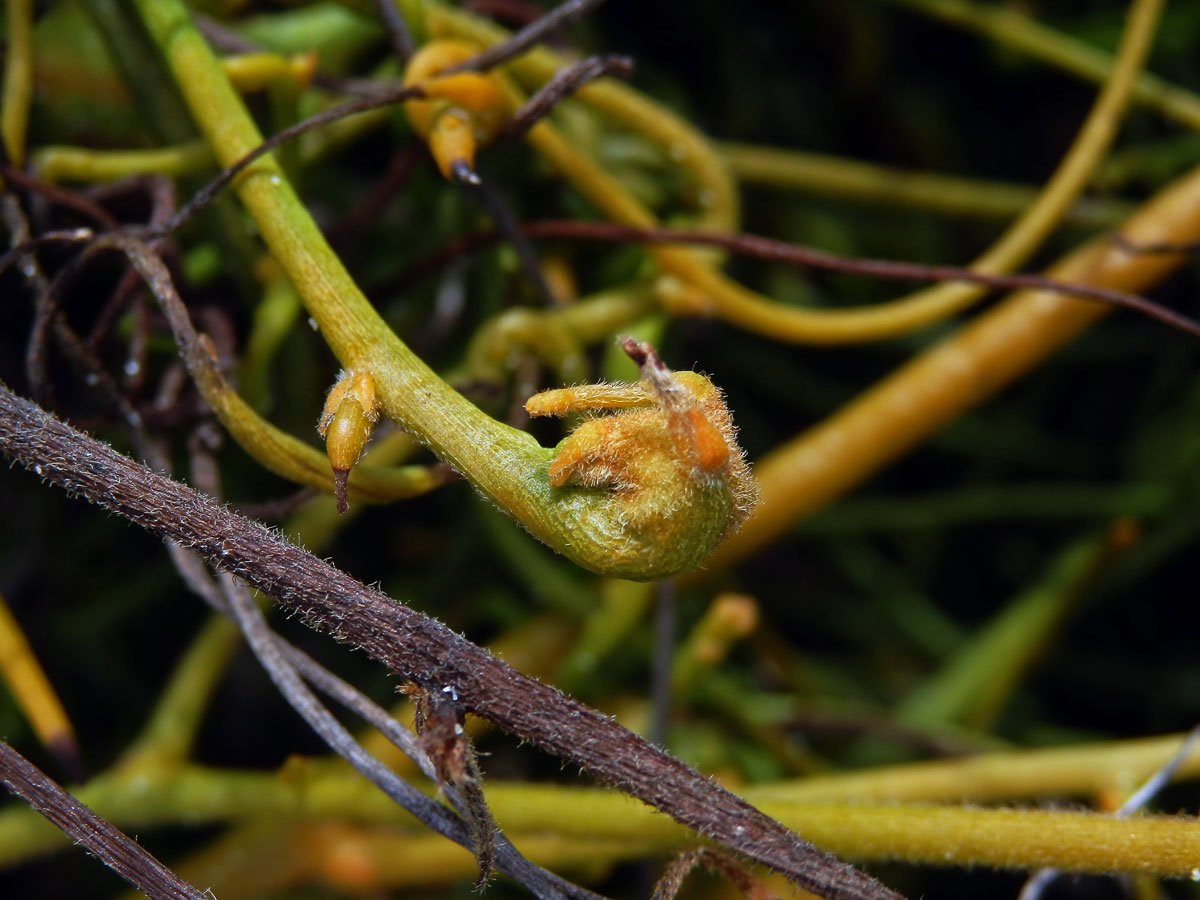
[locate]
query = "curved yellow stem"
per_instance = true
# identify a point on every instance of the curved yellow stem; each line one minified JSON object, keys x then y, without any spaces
{"x":63,"y":163}
{"x":18,"y":79}
{"x":32,"y":690}
{"x":1028,"y":232}
{"x":868,"y":183}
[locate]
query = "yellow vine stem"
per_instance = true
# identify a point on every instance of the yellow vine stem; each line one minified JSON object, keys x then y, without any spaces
{"x":1075,"y":771}
{"x":289,"y":457}
{"x":590,"y":525}
{"x":728,"y":619}
{"x":364,"y":858}
{"x":257,"y":71}
{"x":556,"y":337}
{"x":1009,"y":26}
{"x":822,"y":175}
{"x":707,"y":291}
{"x":594,"y":818}
{"x":962,"y":371}
{"x":31,"y":689}
{"x":247,"y":72}
{"x":64,"y":163}
{"x":18,"y":79}
{"x":1003,"y":838}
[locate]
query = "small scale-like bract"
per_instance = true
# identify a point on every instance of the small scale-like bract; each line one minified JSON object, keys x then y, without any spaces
{"x":667,"y":454}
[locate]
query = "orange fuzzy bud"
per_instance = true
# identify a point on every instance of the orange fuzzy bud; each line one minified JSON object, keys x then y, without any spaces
{"x":562,"y":401}
{"x":667,"y":453}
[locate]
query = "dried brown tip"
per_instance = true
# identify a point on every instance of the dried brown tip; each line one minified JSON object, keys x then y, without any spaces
{"x":656,"y":376}
{"x":340,"y":477}
{"x":639,"y":351}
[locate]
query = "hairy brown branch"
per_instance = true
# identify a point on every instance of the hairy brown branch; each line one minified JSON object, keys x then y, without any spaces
{"x":416,"y":647}
{"x":116,"y":850}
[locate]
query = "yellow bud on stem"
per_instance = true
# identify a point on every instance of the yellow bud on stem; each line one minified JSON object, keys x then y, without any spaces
{"x":346,"y":423}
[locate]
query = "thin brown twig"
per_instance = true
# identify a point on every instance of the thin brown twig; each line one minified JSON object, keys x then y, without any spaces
{"x":202,"y":197}
{"x":346,"y":233}
{"x":397,"y":29}
{"x":798,"y":255}
{"x":682,"y":865}
{"x":60,"y":196}
{"x":529,"y":36}
{"x":565,"y":82}
{"x":112,"y":847}
{"x":786,"y":253}
{"x":37,"y":357}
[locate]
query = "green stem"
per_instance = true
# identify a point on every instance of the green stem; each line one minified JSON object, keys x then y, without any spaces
{"x":506,"y":465}
{"x":18,"y":79}
{"x":56,"y":164}
{"x":1083,"y":770}
{"x":847,"y":179}
{"x":1011,"y":838}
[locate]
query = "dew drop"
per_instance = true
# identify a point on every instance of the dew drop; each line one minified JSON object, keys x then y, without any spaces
{"x":274,"y":179}
{"x":132,"y":367}
{"x":92,"y":379}
{"x":312,"y":323}
{"x":37,"y":470}
{"x":1195,"y":874}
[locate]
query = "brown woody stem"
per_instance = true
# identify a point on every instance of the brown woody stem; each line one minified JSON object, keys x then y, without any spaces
{"x":416,"y":647}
